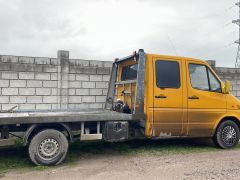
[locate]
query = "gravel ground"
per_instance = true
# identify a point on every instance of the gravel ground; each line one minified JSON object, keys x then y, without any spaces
{"x":207,"y":165}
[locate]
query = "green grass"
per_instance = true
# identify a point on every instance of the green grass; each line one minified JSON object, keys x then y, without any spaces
{"x":16,"y":158}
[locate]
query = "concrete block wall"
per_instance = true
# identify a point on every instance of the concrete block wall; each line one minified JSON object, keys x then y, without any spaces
{"x":52,"y":83}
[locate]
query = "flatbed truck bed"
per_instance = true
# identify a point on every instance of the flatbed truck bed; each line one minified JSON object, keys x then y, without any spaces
{"x":64,"y":116}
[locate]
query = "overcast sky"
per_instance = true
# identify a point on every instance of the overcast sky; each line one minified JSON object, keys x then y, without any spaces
{"x":105,"y":29}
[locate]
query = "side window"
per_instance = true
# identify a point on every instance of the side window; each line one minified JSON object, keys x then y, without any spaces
{"x":129,"y":72}
{"x":203,"y":79}
{"x":167,"y":74}
{"x":214,"y":83}
{"x":198,"y":75}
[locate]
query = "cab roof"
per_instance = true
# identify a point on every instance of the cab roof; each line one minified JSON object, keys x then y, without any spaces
{"x":173,"y":57}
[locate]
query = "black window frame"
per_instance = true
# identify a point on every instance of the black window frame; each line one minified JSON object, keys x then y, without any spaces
{"x":207,"y":71}
{"x":175,"y":61}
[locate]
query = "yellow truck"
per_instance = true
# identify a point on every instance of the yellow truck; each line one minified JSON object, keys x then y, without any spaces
{"x":149,"y":95}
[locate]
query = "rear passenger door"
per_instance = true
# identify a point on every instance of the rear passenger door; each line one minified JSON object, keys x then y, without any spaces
{"x":168,"y":97}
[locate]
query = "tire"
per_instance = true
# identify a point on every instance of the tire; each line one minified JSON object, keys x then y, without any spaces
{"x":48,"y":147}
{"x":227,"y":135}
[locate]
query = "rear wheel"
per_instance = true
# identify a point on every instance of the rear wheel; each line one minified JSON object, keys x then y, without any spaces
{"x":48,"y":147}
{"x":227,"y":135}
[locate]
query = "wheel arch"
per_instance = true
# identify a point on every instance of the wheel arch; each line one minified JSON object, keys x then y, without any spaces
{"x":231,"y":118}
{"x":35,"y":128}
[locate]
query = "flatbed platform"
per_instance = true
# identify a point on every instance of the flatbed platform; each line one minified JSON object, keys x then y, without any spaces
{"x":61,"y":116}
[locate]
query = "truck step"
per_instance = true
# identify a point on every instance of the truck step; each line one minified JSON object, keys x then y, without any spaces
{"x":7,"y":142}
{"x":88,"y":137}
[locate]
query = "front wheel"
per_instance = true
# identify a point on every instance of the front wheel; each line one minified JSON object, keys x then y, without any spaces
{"x":227,"y":135}
{"x":48,"y":147}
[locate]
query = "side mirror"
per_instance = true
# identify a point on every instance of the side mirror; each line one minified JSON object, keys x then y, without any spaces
{"x":226,"y":87}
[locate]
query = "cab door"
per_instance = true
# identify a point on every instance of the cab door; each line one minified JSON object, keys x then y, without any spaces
{"x":167,"y":97}
{"x":206,"y":102}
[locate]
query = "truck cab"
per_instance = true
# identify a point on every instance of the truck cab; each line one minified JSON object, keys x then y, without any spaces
{"x":181,"y":97}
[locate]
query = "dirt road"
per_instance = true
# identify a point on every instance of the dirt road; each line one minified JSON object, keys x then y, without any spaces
{"x":209,"y":165}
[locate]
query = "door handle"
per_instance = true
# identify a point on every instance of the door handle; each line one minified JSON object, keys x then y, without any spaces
{"x":193,"y":97}
{"x":161,"y":96}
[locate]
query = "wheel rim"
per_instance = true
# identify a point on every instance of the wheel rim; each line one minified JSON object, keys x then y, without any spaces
{"x":48,"y":149}
{"x":229,"y":135}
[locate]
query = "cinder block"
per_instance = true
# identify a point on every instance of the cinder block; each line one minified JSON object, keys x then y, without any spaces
{"x":19,"y":67}
{"x":4,"y":83}
{"x":4,"y":99}
{"x":96,"y":91}
{"x":79,"y":62}
{"x":9,"y":59}
{"x":50,"y":84}
{"x":82,"y":92}
{"x":82,"y":77}
{"x":42,"y":76}
{"x":49,"y":68}
{"x":108,"y":64}
{"x":90,"y":70}
{"x":96,"y":63}
{"x":75,"y":84}
{"x":105,"y":92}
{"x":103,"y":71}
{"x":221,"y":70}
{"x":54,"y":61}
{"x":96,"y":106}
{"x":43,"y":91}
{"x":18,"y":83}
{"x":9,"y":75}
{"x":64,"y":92}
{"x":96,"y":78}
{"x":50,"y":99}
{"x":5,"y":67}
{"x":43,"y":106}
{"x":9,"y":106}
{"x":88,"y":84}
{"x":9,"y":91}
{"x":54,"y":91}
{"x":106,"y":78}
{"x":71,"y":92}
{"x":71,"y":77}
{"x":55,"y":106}
{"x":26,"y":75}
{"x":101,"y":84}
{"x":82,"y":106}
{"x":71,"y":106}
{"x":27,"y":106}
{"x":75,"y":99}
{"x":87,"y":99}
{"x":26,"y":60}
{"x":54,"y":76}
{"x":100,"y":99}
{"x":18,"y":99}
{"x":34,"y":99}
{"x":42,"y":60}
{"x":34,"y":83}
{"x":27,"y":91}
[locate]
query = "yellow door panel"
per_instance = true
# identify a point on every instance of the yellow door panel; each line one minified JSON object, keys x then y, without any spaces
{"x":167,"y":97}
{"x":206,"y":102}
